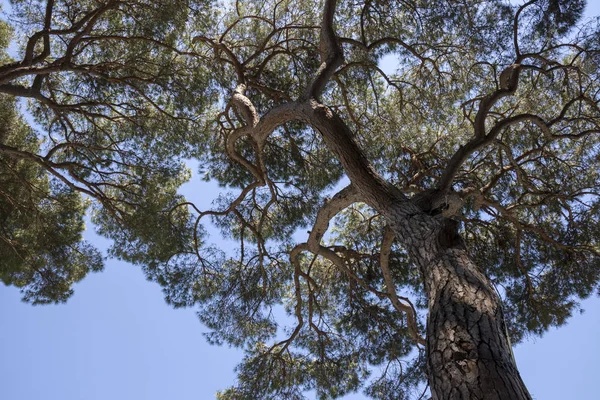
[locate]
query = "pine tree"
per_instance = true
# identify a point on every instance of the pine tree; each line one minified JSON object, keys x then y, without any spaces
{"x":451,"y":202}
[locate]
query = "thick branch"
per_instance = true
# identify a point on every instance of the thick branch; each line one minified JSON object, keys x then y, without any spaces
{"x":509,"y":80}
{"x":330,"y":209}
{"x":337,"y":203}
{"x":259,"y":130}
{"x":374,"y":189}
{"x":244,"y":106}
{"x":29,"y":59}
{"x":331,"y":53}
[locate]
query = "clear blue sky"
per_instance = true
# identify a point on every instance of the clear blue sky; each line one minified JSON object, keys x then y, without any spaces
{"x":117,"y":339}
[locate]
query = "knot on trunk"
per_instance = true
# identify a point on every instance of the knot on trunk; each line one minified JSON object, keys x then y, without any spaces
{"x":434,"y":202}
{"x":509,"y":77}
{"x":448,"y":236}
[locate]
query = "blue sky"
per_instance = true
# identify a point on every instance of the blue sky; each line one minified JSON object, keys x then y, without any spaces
{"x":117,"y":339}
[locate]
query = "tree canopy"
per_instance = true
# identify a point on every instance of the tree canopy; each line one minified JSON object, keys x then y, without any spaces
{"x":489,"y":122}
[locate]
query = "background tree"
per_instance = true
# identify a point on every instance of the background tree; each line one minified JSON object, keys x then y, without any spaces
{"x":472,"y":169}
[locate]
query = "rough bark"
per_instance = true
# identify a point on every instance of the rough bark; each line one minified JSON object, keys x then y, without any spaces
{"x":469,"y":354}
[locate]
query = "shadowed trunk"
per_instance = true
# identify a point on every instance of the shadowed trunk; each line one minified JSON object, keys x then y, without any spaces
{"x":469,"y":355}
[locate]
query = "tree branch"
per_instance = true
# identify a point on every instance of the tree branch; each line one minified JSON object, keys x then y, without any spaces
{"x":341,"y":200}
{"x":509,"y":80}
{"x":408,"y":309}
{"x":331,"y":53}
{"x":375,"y":190}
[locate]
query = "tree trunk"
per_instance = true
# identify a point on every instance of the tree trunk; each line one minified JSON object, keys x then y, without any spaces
{"x":469,"y":354}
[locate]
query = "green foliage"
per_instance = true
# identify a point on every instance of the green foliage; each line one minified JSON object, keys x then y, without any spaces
{"x":558,"y":16}
{"x":42,"y":219}
{"x":149,"y":227}
{"x":113,"y":123}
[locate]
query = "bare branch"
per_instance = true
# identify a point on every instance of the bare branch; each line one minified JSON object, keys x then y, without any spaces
{"x":330,"y":209}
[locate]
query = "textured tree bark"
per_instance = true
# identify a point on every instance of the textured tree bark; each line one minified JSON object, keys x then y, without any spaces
{"x":469,"y":354}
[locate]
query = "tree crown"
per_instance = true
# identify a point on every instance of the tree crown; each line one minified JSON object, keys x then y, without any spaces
{"x":489,"y":117}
